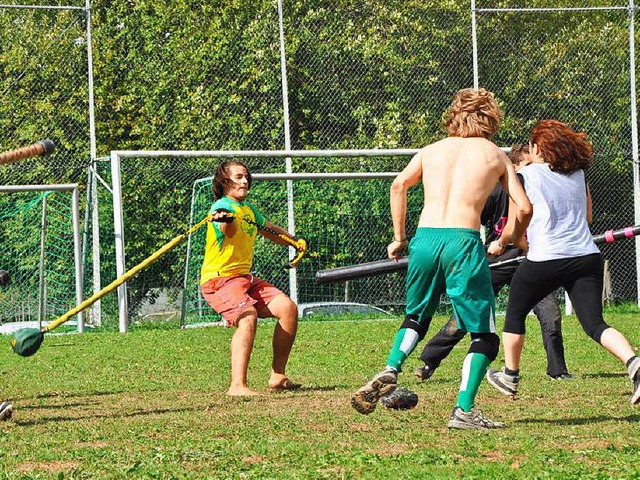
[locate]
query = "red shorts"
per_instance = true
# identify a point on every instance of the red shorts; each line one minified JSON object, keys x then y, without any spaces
{"x":230,"y":296}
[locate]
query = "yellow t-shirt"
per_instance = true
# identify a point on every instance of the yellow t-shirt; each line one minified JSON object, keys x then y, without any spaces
{"x":230,"y":256}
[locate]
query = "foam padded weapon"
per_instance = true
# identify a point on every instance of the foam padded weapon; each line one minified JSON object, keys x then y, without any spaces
{"x":26,"y":341}
{"x":390,"y":265}
{"x":400,"y":399}
{"x":43,"y":147}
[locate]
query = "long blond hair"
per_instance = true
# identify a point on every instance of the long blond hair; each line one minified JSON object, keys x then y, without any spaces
{"x":474,"y":112}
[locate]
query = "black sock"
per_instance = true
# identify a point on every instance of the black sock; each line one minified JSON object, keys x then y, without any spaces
{"x":513,"y":373}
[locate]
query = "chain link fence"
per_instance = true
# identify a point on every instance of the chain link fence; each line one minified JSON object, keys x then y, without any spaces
{"x":539,"y":64}
{"x":44,"y":92}
{"x":210,"y":76}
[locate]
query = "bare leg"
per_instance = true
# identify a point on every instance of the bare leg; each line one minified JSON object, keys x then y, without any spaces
{"x":284,"y":335}
{"x":617,"y":344}
{"x":513,"y":345}
{"x":241,"y":347}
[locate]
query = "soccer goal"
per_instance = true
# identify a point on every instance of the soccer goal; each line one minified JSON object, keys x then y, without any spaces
{"x":343,"y":216}
{"x":40,"y":250}
{"x":152,"y":191}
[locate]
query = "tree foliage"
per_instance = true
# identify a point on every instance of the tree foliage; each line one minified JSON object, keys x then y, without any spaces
{"x":181,"y":74}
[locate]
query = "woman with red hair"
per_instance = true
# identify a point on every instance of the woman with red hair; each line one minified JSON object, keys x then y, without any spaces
{"x":561,"y":251}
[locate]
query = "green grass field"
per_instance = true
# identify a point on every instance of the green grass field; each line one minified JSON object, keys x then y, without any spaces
{"x":151,"y":404}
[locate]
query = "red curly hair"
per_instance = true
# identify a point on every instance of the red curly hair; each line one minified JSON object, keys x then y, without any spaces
{"x":564,"y":149}
{"x":474,"y":112}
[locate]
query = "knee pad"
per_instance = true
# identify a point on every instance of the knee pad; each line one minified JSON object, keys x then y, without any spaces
{"x":411,"y":322}
{"x":487,"y":344}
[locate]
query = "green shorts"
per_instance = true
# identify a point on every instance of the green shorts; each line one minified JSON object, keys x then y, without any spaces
{"x":450,"y":260}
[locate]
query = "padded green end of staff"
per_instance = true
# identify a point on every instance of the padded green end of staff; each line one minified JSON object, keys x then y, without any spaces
{"x":27,"y":341}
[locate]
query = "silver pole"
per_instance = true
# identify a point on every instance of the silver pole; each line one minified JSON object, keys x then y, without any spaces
{"x":92,"y":123}
{"x":270,"y":153}
{"x":474,"y":41}
{"x":43,"y":229}
{"x":118,"y":229}
{"x":96,"y":311}
{"x":77,"y":253}
{"x":185,"y":283}
{"x":291,"y":226}
{"x":85,"y":230}
{"x":634,"y":135}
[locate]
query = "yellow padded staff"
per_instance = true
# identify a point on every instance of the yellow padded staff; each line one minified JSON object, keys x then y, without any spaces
{"x":127,"y":275}
{"x":27,"y":341}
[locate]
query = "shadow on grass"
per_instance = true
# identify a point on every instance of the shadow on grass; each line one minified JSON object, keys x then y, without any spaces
{"x":579,"y":421}
{"x":139,"y":413}
{"x":56,"y":406}
{"x":604,"y":375}
{"x":325,"y":388}
{"x":78,"y":394}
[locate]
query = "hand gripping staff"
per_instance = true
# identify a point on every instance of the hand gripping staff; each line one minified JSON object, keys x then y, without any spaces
{"x":27,"y":341}
{"x":300,"y":244}
{"x":389,"y":265}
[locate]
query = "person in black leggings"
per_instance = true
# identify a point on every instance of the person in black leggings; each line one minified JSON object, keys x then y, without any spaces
{"x":561,"y":251}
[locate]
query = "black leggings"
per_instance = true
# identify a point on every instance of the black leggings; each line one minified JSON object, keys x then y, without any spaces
{"x":581,"y":277}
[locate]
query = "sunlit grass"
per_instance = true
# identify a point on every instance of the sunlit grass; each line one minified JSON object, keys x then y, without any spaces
{"x":151,"y":404}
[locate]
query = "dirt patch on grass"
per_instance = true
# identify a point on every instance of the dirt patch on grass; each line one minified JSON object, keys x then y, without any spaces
{"x":92,"y":444}
{"x":253,"y":459}
{"x":47,"y":466}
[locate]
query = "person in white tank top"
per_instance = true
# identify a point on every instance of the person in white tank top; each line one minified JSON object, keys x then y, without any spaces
{"x":561,"y":251}
{"x":558,"y":228}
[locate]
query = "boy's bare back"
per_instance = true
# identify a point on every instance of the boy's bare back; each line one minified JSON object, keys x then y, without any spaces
{"x":458,"y":174}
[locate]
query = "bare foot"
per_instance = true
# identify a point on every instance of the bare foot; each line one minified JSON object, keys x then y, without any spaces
{"x":281,"y":382}
{"x":241,"y":392}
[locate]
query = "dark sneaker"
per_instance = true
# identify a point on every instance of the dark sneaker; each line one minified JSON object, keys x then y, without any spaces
{"x":563,"y":376}
{"x":424,"y":372}
{"x":635,"y":396}
{"x":6,"y":410}
{"x":365,"y":399}
{"x":505,"y":384}
{"x":400,"y":399}
{"x":472,"y":420}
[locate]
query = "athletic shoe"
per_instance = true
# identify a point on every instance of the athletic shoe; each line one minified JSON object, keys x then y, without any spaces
{"x":400,"y":399}
{"x":472,"y":420}
{"x":365,"y":399}
{"x":635,"y":396}
{"x":6,"y":410}
{"x":563,"y":376}
{"x":424,"y":372}
{"x":505,"y":384}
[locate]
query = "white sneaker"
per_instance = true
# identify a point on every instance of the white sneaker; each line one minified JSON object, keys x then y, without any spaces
{"x":472,"y":420}
{"x":505,"y":384}
{"x":635,"y":396}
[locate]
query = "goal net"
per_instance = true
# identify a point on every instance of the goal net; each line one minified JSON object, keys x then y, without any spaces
{"x":40,"y":251}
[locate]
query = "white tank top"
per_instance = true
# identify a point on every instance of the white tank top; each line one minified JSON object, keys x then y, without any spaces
{"x":558,"y":227}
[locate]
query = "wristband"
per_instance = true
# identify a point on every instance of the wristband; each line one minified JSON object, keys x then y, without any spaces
{"x":400,"y":241}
